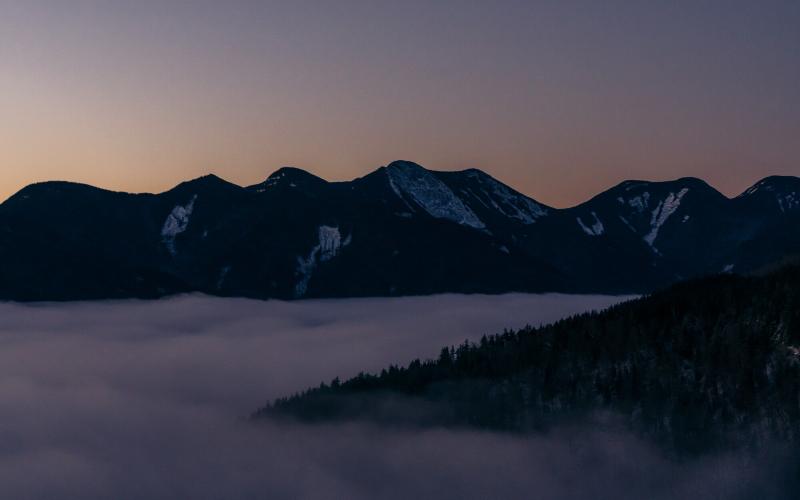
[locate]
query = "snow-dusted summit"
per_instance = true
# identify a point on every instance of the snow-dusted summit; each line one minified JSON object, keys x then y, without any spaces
{"x":781,"y":192}
{"x":419,"y":186}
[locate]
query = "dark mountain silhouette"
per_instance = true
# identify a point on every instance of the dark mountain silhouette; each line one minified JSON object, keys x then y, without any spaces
{"x":399,"y":230}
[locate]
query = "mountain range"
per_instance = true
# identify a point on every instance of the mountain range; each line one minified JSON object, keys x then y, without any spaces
{"x":400,"y":230}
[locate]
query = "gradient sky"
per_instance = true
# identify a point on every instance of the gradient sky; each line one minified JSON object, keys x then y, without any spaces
{"x":559,"y":99}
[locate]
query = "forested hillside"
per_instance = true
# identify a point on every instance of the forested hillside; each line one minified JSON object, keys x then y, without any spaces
{"x":703,"y":365}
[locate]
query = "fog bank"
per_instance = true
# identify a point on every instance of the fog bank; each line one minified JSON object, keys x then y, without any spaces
{"x":139,"y":399}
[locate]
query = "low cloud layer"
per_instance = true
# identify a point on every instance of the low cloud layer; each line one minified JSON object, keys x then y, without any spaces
{"x":145,"y":400}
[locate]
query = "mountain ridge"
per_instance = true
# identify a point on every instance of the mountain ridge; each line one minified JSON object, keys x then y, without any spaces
{"x":399,"y":230}
{"x":210,"y":175}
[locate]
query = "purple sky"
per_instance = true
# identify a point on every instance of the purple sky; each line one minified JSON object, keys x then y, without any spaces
{"x":559,"y":99}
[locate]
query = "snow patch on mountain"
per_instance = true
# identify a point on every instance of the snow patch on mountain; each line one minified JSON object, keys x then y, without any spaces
{"x":763,"y":184}
{"x":273,"y":180}
{"x":329,"y":246}
{"x":508,"y":202}
{"x":628,"y":224}
{"x":176,"y":223}
{"x":788,"y":201}
{"x":305,"y":268}
{"x":662,"y":212}
{"x":433,"y":195}
{"x":223,"y":273}
{"x":596,"y":229}
{"x":330,"y":241}
{"x":640,"y":203}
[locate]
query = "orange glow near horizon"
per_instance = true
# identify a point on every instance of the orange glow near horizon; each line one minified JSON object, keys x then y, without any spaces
{"x":558,"y":105}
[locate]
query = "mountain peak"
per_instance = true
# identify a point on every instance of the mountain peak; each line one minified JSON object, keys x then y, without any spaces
{"x":778,"y":191}
{"x":291,"y":177}
{"x":55,"y":187}
{"x":405,"y":165}
{"x":292,"y":172}
{"x":691,"y":182}
{"x":773,"y":183}
{"x":206,"y":182}
{"x":632,"y":190}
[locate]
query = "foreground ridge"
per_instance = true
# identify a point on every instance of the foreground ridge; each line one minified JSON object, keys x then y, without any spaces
{"x":703,"y":365}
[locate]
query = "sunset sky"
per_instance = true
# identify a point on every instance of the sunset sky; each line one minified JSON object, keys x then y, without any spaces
{"x":560,"y":99}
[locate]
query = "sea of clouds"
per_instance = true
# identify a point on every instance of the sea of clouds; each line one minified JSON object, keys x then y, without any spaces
{"x":149,"y":399}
